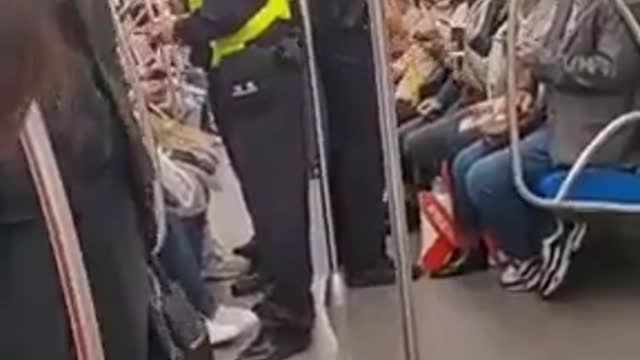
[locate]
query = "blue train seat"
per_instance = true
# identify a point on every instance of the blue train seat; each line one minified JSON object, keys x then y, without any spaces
{"x":595,"y":184}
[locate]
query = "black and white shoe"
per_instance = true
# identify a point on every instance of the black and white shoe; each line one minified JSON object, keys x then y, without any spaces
{"x":557,"y":255}
{"x":580,"y":234}
{"x":521,"y":276}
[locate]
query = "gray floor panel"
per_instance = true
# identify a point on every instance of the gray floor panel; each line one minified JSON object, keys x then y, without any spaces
{"x":597,"y":317}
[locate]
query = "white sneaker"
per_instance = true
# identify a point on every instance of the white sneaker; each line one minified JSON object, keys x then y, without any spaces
{"x":226,"y":268}
{"x":220,"y":334}
{"x":220,"y":264}
{"x":230,"y":323}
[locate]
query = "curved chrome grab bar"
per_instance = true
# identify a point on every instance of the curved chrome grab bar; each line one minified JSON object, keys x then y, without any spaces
{"x":559,"y":202}
{"x":598,"y":142}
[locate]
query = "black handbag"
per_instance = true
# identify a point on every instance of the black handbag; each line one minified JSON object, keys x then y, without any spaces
{"x":178,"y":326}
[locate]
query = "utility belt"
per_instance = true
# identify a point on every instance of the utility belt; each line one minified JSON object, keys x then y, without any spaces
{"x":274,"y":35}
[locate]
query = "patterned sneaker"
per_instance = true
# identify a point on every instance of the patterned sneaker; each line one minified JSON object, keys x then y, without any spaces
{"x":581,"y":233}
{"x":521,"y":276}
{"x":557,"y":256}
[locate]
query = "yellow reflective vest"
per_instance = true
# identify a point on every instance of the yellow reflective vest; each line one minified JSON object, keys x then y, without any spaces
{"x":260,"y":22}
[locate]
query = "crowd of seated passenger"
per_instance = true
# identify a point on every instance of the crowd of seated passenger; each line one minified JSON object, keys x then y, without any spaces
{"x":582,"y":53}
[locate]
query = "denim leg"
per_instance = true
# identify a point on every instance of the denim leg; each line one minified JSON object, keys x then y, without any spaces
{"x":180,"y":262}
{"x":465,"y":214}
{"x":194,"y":228}
{"x":516,"y":225}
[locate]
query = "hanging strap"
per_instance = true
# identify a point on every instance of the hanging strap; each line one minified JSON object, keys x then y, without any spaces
{"x":62,"y":235}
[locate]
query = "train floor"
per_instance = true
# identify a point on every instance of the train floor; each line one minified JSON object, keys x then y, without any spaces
{"x":596,"y":316}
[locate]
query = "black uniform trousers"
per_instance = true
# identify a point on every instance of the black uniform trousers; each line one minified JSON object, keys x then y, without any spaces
{"x":345,"y":59}
{"x":258,"y":98}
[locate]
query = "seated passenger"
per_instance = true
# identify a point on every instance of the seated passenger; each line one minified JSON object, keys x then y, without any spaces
{"x":488,"y":118}
{"x":589,"y":65}
{"x":186,"y":180}
{"x":434,"y":137}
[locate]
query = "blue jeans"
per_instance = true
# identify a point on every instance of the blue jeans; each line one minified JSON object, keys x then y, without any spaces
{"x":181,"y":257}
{"x":486,"y":199}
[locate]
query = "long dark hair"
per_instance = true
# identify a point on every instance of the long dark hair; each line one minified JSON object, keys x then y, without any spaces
{"x":23,"y":60}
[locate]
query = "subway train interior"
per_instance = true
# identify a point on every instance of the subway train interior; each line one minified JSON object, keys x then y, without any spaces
{"x":320,"y":180}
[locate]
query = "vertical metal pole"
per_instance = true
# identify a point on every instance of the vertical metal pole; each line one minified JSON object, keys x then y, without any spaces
{"x":319,"y":124}
{"x":391,"y":150}
{"x":336,"y":288}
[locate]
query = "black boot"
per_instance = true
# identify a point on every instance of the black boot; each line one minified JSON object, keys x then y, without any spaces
{"x":283,"y":334}
{"x":383,"y":273}
{"x":277,"y":344}
{"x":249,"y":250}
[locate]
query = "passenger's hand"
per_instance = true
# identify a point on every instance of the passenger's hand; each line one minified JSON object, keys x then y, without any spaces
{"x":429,"y":106}
{"x":162,"y":29}
{"x":524,"y":103}
{"x":526,"y":53}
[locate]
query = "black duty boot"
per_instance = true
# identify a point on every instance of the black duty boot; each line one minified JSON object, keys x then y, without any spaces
{"x":383,"y":273}
{"x":277,"y":344}
{"x":249,"y":250}
{"x":283,"y":334}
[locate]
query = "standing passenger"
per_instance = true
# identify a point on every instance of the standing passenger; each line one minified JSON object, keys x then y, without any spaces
{"x":345,"y":58}
{"x":61,"y":53}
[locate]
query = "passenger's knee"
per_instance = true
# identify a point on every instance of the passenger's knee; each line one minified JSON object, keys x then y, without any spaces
{"x":462,"y":163}
{"x":484,"y":180}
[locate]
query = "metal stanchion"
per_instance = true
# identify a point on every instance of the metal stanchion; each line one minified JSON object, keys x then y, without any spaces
{"x":319,"y":123}
{"x":336,"y":288}
{"x":388,"y":124}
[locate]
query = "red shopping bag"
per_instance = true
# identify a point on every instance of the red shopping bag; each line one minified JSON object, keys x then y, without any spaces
{"x":438,"y":226}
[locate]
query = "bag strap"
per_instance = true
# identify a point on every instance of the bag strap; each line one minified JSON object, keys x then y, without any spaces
{"x":63,"y":237}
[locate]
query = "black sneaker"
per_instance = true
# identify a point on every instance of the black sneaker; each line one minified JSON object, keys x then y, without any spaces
{"x":383,"y":274}
{"x":249,"y":250}
{"x":277,"y":344}
{"x":463,"y":262}
{"x":557,"y":254}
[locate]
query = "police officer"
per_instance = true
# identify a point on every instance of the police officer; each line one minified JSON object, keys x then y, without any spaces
{"x":345,"y":57}
{"x":257,"y":89}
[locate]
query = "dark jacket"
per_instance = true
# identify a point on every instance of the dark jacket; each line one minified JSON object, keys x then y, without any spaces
{"x":592,"y":75}
{"x":98,"y":148}
{"x":333,"y":15}
{"x":101,"y":42}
